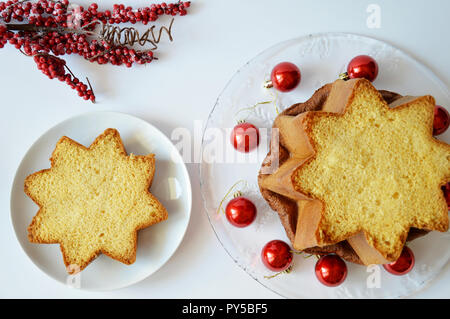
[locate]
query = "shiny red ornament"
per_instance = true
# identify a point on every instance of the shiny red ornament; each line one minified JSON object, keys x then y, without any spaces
{"x":285,"y":77}
{"x":363,"y":66}
{"x":403,"y":264}
{"x":245,"y":137}
{"x":276,"y":255}
{"x":446,"y":190}
{"x":240,"y":212}
{"x":441,"y":120}
{"x":331,"y":270}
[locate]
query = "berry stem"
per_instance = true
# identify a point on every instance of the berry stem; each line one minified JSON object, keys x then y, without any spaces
{"x":286,"y":271}
{"x":90,"y":87}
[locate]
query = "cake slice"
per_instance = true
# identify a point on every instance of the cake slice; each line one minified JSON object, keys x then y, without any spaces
{"x":93,"y":200}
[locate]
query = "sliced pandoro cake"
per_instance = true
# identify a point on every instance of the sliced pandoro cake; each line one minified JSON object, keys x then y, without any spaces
{"x":362,"y":171}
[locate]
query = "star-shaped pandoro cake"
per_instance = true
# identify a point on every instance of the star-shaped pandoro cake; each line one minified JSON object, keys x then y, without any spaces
{"x":363,"y":171}
{"x":93,"y":200}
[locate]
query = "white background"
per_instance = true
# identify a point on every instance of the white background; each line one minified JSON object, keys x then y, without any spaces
{"x":210,"y":44}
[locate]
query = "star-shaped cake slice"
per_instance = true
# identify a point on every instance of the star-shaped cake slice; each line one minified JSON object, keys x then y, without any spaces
{"x":93,"y":200}
{"x":364,"y":172}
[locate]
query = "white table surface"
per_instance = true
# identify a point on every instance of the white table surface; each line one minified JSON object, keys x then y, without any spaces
{"x":210,"y":44}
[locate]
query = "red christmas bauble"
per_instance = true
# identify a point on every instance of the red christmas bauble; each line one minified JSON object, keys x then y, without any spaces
{"x":363,"y":66}
{"x":285,"y":76}
{"x":331,"y":270}
{"x":276,"y":255}
{"x":240,"y":211}
{"x":403,"y":264}
{"x":244,"y":137}
{"x":446,"y":190}
{"x":441,"y":120}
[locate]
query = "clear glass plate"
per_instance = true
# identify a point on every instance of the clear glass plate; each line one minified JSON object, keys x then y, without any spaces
{"x":321,"y":58}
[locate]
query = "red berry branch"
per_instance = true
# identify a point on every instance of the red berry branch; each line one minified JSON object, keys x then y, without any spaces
{"x":55,"y":68}
{"x":46,"y":29}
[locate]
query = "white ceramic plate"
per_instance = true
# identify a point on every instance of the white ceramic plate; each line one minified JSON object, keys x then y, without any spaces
{"x":321,"y":58}
{"x":171,"y":185}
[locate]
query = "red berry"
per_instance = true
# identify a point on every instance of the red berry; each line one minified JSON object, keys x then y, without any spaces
{"x":403,"y":264}
{"x":240,"y":212}
{"x":276,"y":255}
{"x":285,"y":76}
{"x":331,"y":270}
{"x":363,"y":66}
{"x":245,"y":137}
{"x":441,"y":120}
